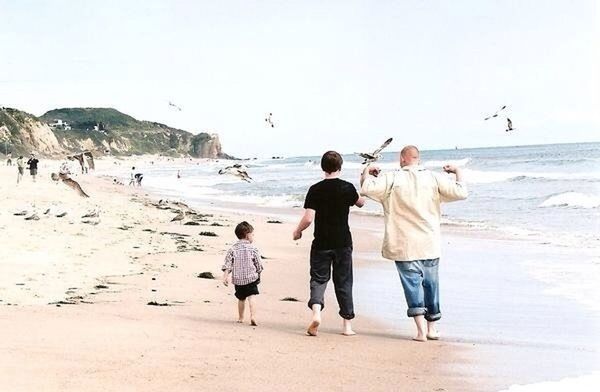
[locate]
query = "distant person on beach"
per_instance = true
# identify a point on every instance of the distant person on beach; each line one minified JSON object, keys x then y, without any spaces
{"x":132,"y":176}
{"x":178,"y":174}
{"x":328,"y":203}
{"x":242,"y":263}
{"x":9,"y":159}
{"x":85,"y":166}
{"x":411,"y":200}
{"x":20,"y":168}
{"x":32,"y":163}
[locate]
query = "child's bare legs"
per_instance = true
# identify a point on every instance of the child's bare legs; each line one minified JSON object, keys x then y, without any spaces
{"x":421,"y":328}
{"x":316,"y":320}
{"x":347,"y":330}
{"x":432,"y":332}
{"x":252,"y":303}
{"x":241,"y":309}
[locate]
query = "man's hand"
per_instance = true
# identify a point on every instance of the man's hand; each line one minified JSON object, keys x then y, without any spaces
{"x":450,"y":169}
{"x":297,"y":235}
{"x":226,"y":279}
{"x":373,"y":170}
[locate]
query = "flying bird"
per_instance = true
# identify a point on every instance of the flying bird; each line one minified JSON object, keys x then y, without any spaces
{"x":269,"y":120}
{"x":238,"y":171}
{"x":509,"y":125}
{"x":174,"y":106}
{"x":495,"y":114}
{"x":375,"y":155}
{"x":72,"y":184}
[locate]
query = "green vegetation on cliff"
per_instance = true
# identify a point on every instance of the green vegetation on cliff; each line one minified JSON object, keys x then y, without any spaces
{"x":103,"y":130}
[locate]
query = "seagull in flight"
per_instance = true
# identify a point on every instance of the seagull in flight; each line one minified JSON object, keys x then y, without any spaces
{"x":509,"y":126}
{"x":269,"y":120}
{"x":495,"y":114}
{"x":174,"y":106}
{"x":375,"y":155}
{"x":238,"y":171}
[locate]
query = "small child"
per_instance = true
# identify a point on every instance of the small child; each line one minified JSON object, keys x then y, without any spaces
{"x":242,"y":262}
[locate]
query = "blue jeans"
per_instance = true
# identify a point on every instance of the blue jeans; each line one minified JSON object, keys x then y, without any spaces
{"x":421,"y":287}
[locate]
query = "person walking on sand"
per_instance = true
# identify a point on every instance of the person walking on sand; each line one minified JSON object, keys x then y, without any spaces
{"x":20,"y":168}
{"x":32,"y":163}
{"x":242,"y":263}
{"x":9,"y":159}
{"x":328,"y":203}
{"x":411,"y":199}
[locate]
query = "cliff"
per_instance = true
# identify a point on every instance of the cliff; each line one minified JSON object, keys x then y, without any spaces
{"x":102,"y":131}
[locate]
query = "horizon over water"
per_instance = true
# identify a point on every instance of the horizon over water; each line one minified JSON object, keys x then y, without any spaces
{"x":548,"y":192}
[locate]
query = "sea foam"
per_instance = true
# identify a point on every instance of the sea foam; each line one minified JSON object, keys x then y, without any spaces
{"x":572,"y":199}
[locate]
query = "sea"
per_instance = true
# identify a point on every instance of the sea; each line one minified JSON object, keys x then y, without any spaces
{"x":545,"y":192}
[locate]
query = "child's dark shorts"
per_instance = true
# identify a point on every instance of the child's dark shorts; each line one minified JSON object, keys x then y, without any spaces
{"x":244,"y":291}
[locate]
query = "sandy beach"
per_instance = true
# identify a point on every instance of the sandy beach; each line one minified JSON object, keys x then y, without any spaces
{"x":75,"y":313}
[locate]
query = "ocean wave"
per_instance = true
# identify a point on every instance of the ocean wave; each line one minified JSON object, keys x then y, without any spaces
{"x":487,"y":177}
{"x":572,"y":199}
{"x":456,"y":162}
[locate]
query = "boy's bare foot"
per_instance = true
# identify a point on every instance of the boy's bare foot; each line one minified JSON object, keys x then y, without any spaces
{"x":313,"y":328}
{"x":240,"y":321}
{"x":348,"y":329}
{"x":253,"y":323}
{"x":420,"y":338}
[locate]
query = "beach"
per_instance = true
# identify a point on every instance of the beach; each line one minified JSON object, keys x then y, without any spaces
{"x":75,"y":313}
{"x":115,"y":302}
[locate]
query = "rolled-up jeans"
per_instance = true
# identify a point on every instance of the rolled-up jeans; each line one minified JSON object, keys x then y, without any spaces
{"x":421,"y":287}
{"x":321,"y":264}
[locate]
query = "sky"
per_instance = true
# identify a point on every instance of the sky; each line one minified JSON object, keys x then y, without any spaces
{"x":342,"y":75}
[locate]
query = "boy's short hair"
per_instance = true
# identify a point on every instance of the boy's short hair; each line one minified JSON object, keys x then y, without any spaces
{"x":243,"y":229}
{"x":331,"y":162}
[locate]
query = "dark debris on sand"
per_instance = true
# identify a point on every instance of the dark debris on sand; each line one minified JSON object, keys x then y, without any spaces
{"x":274,"y":221}
{"x":290,"y":299}
{"x":206,"y":275}
{"x":208,"y":234}
{"x":191,"y":223}
{"x":154,"y":303}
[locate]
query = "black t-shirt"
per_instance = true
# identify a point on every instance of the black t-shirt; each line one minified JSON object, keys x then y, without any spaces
{"x":32,"y":163}
{"x":331,"y":199}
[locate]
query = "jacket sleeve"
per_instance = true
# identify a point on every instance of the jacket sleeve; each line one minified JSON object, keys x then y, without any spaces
{"x":375,"y":188}
{"x":449,"y":189}
{"x":228,"y":265}
{"x":257,"y":263}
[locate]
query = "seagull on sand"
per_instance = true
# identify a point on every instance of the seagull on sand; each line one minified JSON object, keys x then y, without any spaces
{"x":179,"y":217}
{"x":92,"y":214}
{"x":509,"y":125}
{"x":375,"y":155}
{"x":495,"y":114}
{"x":269,"y":120}
{"x":238,"y":171}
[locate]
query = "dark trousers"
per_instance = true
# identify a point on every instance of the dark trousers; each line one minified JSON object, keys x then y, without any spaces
{"x":321,"y":264}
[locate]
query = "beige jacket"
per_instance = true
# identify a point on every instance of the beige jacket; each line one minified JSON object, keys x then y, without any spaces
{"x":411,"y":200}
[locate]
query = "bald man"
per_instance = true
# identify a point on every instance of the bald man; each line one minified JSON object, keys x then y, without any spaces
{"x":411,"y":199}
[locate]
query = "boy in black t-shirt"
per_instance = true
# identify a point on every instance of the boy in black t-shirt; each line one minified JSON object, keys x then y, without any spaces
{"x":328,"y":203}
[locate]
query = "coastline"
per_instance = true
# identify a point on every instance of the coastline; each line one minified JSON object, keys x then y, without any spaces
{"x":79,"y":318}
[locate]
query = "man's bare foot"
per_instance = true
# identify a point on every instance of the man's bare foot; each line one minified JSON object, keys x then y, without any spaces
{"x":240,"y":321}
{"x":313,"y":328}
{"x":432,"y":332}
{"x":348,"y":333}
{"x":435,"y":335}
{"x":253,"y":323}
{"x":420,"y":338}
